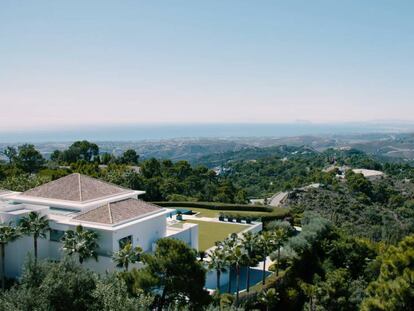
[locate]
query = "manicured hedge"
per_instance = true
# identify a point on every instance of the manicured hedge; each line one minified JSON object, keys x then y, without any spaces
{"x":277,"y":214}
{"x":217,"y":206}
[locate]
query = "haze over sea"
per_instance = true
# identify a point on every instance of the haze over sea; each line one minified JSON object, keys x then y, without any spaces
{"x":168,"y":131}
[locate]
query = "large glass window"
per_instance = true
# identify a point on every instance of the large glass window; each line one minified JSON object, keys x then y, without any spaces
{"x":122,"y":242}
{"x":56,"y":235}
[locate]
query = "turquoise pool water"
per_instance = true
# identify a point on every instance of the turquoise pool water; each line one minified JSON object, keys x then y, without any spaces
{"x":182,"y":210}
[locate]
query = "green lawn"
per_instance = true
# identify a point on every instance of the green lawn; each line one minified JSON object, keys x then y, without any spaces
{"x":210,"y":232}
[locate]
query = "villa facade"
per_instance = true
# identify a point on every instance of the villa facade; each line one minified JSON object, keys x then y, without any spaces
{"x":114,"y":213}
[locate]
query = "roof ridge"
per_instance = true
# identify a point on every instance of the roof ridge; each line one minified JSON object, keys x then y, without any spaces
{"x":77,"y":187}
{"x":49,"y":182}
{"x":106,"y":182}
{"x":80,"y":187}
{"x":149,"y":203}
{"x":110,"y":213}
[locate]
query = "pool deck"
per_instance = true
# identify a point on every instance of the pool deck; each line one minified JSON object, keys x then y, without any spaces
{"x":209,"y":219}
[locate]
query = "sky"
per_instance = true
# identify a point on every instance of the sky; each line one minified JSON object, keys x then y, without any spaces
{"x":65,"y":64}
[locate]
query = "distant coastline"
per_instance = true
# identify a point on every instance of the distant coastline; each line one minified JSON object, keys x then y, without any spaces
{"x":170,"y":131}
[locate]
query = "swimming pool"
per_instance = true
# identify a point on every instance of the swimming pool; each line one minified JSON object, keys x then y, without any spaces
{"x":183,"y":211}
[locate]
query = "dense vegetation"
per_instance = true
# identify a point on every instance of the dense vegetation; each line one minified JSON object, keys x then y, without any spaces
{"x":263,"y":171}
{"x":385,"y":214}
{"x":321,"y":268}
{"x":67,"y":285}
{"x":249,"y":153}
{"x":355,"y":250}
{"x":264,"y":177}
{"x":329,"y":270}
{"x":162,"y":180}
{"x":381,"y":210}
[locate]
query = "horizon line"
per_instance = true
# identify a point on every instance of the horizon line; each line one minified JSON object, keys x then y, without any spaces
{"x":92,"y":126}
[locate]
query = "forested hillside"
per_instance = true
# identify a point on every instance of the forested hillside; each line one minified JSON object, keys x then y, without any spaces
{"x":354,"y":250}
{"x":251,"y":153}
{"x":161,"y":179}
{"x":385,"y":213}
{"x":379,"y":210}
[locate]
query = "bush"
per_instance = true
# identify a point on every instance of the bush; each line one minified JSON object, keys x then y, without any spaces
{"x":274,"y":225}
{"x":226,"y":301}
{"x":279,"y":214}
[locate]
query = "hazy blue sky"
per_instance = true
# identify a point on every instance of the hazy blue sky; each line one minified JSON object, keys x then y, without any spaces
{"x":100,"y":62}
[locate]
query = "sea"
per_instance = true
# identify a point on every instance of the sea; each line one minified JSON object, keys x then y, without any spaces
{"x":136,"y":132}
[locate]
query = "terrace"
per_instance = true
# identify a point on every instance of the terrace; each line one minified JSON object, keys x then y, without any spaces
{"x":203,"y":212}
{"x":211,"y":232}
{"x":210,"y":229}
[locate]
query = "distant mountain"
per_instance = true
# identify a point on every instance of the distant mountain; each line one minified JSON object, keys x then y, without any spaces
{"x":213,"y":151}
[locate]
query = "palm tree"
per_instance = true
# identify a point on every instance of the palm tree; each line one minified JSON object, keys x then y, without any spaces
{"x":127,"y":255}
{"x":7,"y":234}
{"x":228,"y":245}
{"x":35,"y":225}
{"x":280,"y":235}
{"x":238,"y":259}
{"x":267,"y":244}
{"x":310,"y":291}
{"x":217,"y":261}
{"x":269,"y":298}
{"x":83,"y":242}
{"x":250,"y":244}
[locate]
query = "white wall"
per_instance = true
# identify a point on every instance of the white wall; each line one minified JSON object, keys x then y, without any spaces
{"x":16,"y":254}
{"x":188,"y":234}
{"x":105,"y":241}
{"x":144,"y":233}
{"x":105,"y":264}
{"x":255,"y":228}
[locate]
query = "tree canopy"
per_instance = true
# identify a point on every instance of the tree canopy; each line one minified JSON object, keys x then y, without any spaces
{"x":175,"y":270}
{"x":394,"y":288}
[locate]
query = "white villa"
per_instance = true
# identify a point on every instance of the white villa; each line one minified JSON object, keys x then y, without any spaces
{"x":115,"y":213}
{"x":369,"y":174}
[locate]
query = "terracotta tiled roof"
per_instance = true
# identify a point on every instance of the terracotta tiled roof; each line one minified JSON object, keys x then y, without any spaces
{"x":116,"y":212}
{"x":75,"y":187}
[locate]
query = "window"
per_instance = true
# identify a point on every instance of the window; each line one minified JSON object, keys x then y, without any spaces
{"x":122,"y":242}
{"x":56,"y":235}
